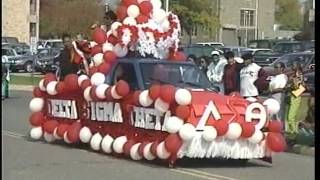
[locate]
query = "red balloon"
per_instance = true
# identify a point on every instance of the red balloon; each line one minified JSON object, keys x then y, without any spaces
{"x":71,"y":81}
{"x":121,"y":12}
{"x":73,"y":132}
{"x":62,"y":128}
{"x":145,"y":8}
{"x":275,"y":126}
{"x":129,"y":2}
{"x":173,"y":143}
{"x":36,"y":119}
{"x":96,"y":49}
{"x":127,"y":146}
{"x":179,"y":56}
{"x":50,"y":125}
{"x":154,"y":91}
{"x":108,"y":94}
{"x":85,"y":83}
{"x":61,"y":87}
{"x":153,"y":148}
{"x":167,"y":93}
{"x":48,"y":78}
{"x":104,"y":68}
{"x":93,"y":94}
{"x":221,"y":127}
{"x":247,"y":129}
{"x":113,"y":40}
{"x":92,"y":70}
{"x":135,"y":98}
{"x":109,"y":57}
{"x":276,"y":142}
{"x":37,"y":92}
{"x":141,"y":148}
{"x":183,"y":112}
{"x":122,"y":88}
{"x":99,"y":35}
{"x":142,"y":18}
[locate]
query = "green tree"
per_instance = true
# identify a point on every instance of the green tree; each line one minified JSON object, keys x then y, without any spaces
{"x":68,"y":16}
{"x":288,"y":14}
{"x":195,"y":13}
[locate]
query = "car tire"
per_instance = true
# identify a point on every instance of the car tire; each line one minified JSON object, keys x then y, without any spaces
{"x":28,"y":67}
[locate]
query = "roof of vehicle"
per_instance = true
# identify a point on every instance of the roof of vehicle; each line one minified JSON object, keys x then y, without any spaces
{"x":258,"y":49}
{"x":233,"y":47}
{"x":300,"y":53}
{"x":210,"y":43}
{"x":136,"y":60}
{"x":50,"y":40}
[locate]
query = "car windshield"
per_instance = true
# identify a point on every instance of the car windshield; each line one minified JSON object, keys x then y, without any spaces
{"x":181,"y":75}
{"x":260,"y":52}
{"x":290,"y":58}
{"x":287,"y":47}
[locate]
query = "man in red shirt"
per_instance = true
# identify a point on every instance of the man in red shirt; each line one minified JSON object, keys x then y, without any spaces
{"x":231,"y":74}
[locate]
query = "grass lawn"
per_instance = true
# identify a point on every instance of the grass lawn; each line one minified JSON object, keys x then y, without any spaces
{"x":24,"y":80}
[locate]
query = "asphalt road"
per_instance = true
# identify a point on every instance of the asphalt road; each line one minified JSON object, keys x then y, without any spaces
{"x":38,"y":160}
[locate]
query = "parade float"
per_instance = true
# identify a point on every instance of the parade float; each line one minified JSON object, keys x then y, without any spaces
{"x":160,"y":121}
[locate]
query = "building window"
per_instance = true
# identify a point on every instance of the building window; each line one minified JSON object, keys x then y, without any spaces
{"x":33,"y":30}
{"x":33,"y":7}
{"x":247,"y":18}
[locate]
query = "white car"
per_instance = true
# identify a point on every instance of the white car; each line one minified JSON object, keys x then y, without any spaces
{"x":50,"y":43}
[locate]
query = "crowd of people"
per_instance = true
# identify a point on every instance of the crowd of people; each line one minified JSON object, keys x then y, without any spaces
{"x":242,"y":75}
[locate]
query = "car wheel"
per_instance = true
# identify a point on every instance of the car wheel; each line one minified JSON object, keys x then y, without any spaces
{"x":28,"y":67}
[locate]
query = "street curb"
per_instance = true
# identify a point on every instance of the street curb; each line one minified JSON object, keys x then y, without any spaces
{"x":302,"y":149}
{"x":21,"y":87}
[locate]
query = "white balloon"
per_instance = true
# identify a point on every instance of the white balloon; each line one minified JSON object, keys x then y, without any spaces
{"x":234,"y":131}
{"x":120,"y":51}
{"x":133,"y":11}
{"x":36,"y":104}
{"x":41,"y":85}
{"x":97,"y":78}
{"x":183,"y":97}
{"x":101,"y":89}
{"x":106,"y":144}
{"x":147,"y":153}
{"x":273,"y":106}
{"x":36,"y":133}
{"x":251,"y":99}
{"x":209,"y":133}
{"x":187,"y":132}
{"x":65,"y":138}
{"x":51,"y":88}
{"x":55,"y":134}
{"x":156,"y":4}
{"x":96,"y":141}
{"x":165,"y":25}
{"x":134,"y":154}
{"x":159,"y":15}
{"x":81,"y":78}
{"x":114,"y":93}
{"x":162,"y":153}
{"x":85,"y":135}
{"x":140,"y":1}
{"x":256,"y":137}
{"x":144,"y":98}
{"x":98,"y":59}
{"x":173,"y":124}
{"x":86,"y":94}
{"x":119,"y":143}
{"x":107,"y":47}
{"x":160,"y":105}
{"x":48,"y":137}
{"x":130,"y":21}
{"x":114,"y":27}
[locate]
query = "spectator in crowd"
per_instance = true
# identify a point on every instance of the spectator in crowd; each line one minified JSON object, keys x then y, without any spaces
{"x":231,"y":74}
{"x":5,"y":77}
{"x":295,"y":85}
{"x":66,"y":64}
{"x":192,"y":58}
{"x":253,"y":79}
{"x":216,"y":73}
{"x":308,"y":123}
{"x":277,"y":88}
{"x":203,"y":63}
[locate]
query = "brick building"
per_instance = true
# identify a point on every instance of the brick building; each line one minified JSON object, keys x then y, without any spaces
{"x":240,"y":22}
{"x":20,"y":18}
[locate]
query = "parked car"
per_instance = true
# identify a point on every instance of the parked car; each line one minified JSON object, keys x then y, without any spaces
{"x":201,"y":50}
{"x":305,"y":58}
{"x":216,"y":45}
{"x":264,"y":43}
{"x":17,"y":62}
{"x":21,"y":48}
{"x":256,"y":51}
{"x":46,"y":60}
{"x":9,"y":40}
{"x":238,"y":51}
{"x":50,"y":43}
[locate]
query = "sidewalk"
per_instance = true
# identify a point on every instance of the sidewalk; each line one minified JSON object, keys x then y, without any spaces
{"x":21,"y":87}
{"x":302,"y":149}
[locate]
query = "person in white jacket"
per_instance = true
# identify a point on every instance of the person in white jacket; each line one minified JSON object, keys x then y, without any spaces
{"x":215,"y":72}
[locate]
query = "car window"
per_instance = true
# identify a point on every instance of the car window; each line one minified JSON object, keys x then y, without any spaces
{"x":43,"y":52}
{"x":207,"y":50}
{"x":217,"y":46}
{"x":259,"y":52}
{"x":7,"y":52}
{"x":303,"y":59}
{"x":126,"y":72}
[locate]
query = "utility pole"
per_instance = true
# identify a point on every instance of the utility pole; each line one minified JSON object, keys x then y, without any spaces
{"x":256,"y":22}
{"x":167,"y":5}
{"x":246,"y":26}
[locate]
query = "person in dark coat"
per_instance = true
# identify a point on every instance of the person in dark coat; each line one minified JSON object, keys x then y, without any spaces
{"x":231,"y":74}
